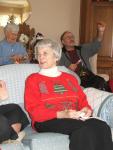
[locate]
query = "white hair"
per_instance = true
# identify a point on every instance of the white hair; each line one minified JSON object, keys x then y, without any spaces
{"x":55,"y":46}
{"x":12,"y":27}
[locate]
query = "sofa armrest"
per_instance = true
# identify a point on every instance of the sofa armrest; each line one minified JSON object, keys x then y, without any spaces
{"x":95,"y":98}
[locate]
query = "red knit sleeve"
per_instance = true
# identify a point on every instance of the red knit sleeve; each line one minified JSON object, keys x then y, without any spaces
{"x":33,"y":104}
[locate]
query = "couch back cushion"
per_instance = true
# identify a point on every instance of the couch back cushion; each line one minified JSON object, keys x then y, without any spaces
{"x":15,"y":75}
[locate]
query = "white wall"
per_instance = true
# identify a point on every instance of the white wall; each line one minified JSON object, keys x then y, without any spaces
{"x":53,"y":17}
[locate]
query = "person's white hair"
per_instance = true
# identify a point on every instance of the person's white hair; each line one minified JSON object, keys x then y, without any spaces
{"x":12,"y":27}
{"x":55,"y":46}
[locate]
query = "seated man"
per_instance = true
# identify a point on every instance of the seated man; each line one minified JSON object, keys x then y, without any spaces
{"x":76,"y":58}
{"x":11,"y":51}
{"x":73,"y":55}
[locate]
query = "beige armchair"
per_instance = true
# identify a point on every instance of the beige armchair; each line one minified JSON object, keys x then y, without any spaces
{"x":93,"y":62}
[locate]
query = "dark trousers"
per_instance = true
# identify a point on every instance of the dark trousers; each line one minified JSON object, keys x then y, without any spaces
{"x":11,"y":114}
{"x":92,"y":134}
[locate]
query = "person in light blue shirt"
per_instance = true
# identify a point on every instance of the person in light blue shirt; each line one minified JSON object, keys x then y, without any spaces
{"x":11,"y":51}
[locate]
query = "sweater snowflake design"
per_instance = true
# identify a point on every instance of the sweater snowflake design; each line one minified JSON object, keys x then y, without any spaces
{"x":45,"y":96}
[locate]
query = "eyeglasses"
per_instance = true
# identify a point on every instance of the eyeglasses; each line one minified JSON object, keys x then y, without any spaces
{"x":69,"y":37}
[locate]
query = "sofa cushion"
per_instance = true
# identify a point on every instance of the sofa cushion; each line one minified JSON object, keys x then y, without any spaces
{"x":15,"y":75}
{"x":46,"y":140}
{"x":12,"y":146}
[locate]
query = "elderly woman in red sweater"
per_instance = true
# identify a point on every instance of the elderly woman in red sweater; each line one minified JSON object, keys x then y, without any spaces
{"x":56,"y":103}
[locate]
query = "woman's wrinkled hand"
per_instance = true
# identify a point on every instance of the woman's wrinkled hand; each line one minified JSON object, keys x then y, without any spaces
{"x":18,"y":59}
{"x":87,"y":113}
{"x":72,"y":114}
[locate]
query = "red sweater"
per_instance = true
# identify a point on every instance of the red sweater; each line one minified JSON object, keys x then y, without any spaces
{"x":45,"y":96}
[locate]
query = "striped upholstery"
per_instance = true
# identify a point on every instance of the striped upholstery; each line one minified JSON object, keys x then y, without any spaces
{"x":102,"y":104}
{"x":15,"y":75}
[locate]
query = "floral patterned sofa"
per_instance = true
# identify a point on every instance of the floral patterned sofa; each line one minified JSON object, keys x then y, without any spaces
{"x":14,"y":75}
